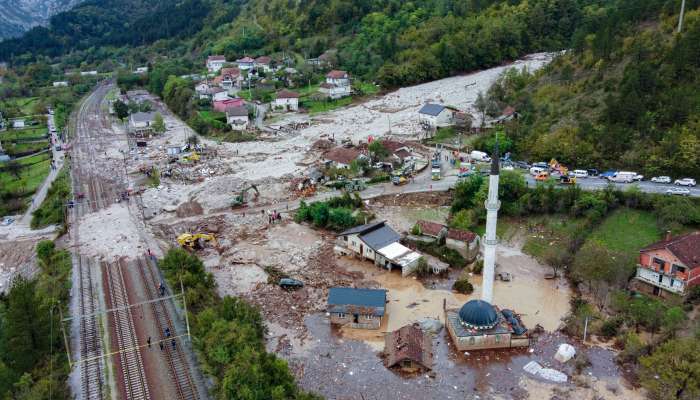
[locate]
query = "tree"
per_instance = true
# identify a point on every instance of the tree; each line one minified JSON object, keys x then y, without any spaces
{"x":26,"y":327}
{"x":465,"y":193}
{"x":601,"y":270}
{"x":378,"y":150}
{"x":121,"y":109}
{"x":556,"y":256}
{"x":158,"y":123}
{"x":679,"y":377}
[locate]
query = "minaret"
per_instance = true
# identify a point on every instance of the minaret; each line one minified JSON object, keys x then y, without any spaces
{"x":492,"y":205}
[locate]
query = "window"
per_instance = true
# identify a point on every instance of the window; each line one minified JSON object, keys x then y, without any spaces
{"x":498,"y":338}
{"x":677,"y":268}
{"x":472,"y":340}
{"x":369,"y":316}
{"x":341,"y":315}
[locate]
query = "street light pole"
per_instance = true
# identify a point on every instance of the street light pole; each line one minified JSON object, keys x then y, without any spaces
{"x":680,"y":18}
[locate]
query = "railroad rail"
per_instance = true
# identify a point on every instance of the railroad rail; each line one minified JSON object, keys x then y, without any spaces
{"x":135,"y":384}
{"x":179,"y":370}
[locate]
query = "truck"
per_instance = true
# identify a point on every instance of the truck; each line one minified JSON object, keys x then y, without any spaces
{"x":479,"y":156}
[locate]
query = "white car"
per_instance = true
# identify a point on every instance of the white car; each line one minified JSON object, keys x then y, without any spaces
{"x":508,"y":167}
{"x":661,"y":179}
{"x":579,"y":173}
{"x":685,"y":182}
{"x":678,"y":191}
{"x":638,"y":177}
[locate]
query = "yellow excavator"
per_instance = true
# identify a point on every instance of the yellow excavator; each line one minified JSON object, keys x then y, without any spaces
{"x":241,"y":200}
{"x":196,"y":241}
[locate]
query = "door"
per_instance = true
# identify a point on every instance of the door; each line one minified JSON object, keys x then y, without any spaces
{"x":356,"y":318}
{"x":656,"y":291}
{"x":362,"y":250}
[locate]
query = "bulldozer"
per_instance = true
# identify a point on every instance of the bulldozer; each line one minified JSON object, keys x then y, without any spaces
{"x":398,"y":179}
{"x":567,"y":180}
{"x":195,"y":241}
{"x":241,"y":200}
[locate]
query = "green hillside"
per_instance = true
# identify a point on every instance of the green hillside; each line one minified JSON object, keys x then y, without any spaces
{"x":625,"y":96}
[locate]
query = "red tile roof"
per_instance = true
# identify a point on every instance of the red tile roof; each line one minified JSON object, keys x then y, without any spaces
{"x":458,"y":234}
{"x":402,"y":153}
{"x":326,"y":85}
{"x":409,"y":343}
{"x":508,"y":111}
{"x":245,"y":60}
{"x":216,"y":58}
{"x":429,"y":228}
{"x":287,"y":94}
{"x":342,"y":155}
{"x":233,"y":72}
{"x":685,"y":247}
{"x":392,"y":145}
{"x":263,"y":60}
{"x":336,"y":74}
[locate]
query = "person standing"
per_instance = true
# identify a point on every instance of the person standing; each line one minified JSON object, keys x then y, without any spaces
{"x":149,"y":342}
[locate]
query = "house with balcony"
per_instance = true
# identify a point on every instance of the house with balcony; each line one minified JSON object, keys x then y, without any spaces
{"x":215,"y":63}
{"x":671,"y":266}
{"x":337,"y":85}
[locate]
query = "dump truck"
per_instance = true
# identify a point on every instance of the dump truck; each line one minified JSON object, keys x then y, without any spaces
{"x":241,"y":200}
{"x":196,"y":241}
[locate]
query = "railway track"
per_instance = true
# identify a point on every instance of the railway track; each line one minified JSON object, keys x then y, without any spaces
{"x":135,"y":384}
{"x":179,"y":370}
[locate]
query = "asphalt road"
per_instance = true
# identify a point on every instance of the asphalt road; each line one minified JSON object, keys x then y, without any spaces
{"x":595,"y":183}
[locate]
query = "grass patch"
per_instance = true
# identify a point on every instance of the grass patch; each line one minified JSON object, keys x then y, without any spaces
{"x":30,"y":178}
{"x":232,"y":136}
{"x":365,"y":88}
{"x":25,"y":134}
{"x":51,"y":210}
{"x":23,"y":105}
{"x":212,"y":116}
{"x":20,"y":148}
{"x":436,"y":214}
{"x":307,"y":90}
{"x":549,"y":230}
{"x":626,"y":231}
{"x":319,"y":106}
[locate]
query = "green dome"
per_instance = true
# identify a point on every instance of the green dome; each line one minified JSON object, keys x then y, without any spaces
{"x":478,"y":314}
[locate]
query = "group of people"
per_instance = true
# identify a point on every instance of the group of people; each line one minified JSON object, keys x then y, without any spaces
{"x":273,"y":216}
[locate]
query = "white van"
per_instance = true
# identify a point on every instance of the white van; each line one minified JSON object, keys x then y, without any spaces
{"x":479,"y":156}
{"x":623,"y":176}
{"x":534,"y":171}
{"x":579,"y":173}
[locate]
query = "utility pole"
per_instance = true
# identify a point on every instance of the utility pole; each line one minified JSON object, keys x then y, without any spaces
{"x":680,"y":18}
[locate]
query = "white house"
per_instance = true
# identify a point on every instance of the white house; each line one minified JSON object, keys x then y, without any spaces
{"x":85,"y":73}
{"x":140,"y":123}
{"x":286,"y":101}
{"x":230,"y":78}
{"x":263,"y":63}
{"x":203,"y":90}
{"x":342,"y":157}
{"x":18,"y":123}
{"x":220,"y":96}
{"x":141,"y":70}
{"x":432,"y":116}
{"x":338,"y":78}
{"x":337,"y":85}
{"x":60,"y":84}
{"x":237,"y":117}
{"x":215,"y":63}
{"x":245,"y":63}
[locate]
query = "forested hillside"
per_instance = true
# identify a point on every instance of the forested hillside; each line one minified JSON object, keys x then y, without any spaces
{"x":392,"y":41}
{"x":627,"y":96}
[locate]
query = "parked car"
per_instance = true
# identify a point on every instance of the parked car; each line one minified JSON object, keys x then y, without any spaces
{"x":542,"y":165}
{"x":522,"y":164}
{"x":592,"y":172}
{"x":685,"y":182}
{"x":58,"y":147}
{"x":638,"y":177}
{"x":607,"y":174}
{"x":289,"y":283}
{"x":579,"y":173}
{"x":661,"y":179}
{"x":678,"y":191}
{"x":534,"y":170}
{"x":508,"y":167}
{"x":7,"y":221}
{"x":623,"y":177}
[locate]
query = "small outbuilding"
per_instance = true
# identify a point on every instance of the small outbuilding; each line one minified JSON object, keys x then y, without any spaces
{"x":358,"y":308}
{"x":409,"y":349}
{"x":237,"y":117}
{"x":432,"y":116}
{"x":465,"y":242}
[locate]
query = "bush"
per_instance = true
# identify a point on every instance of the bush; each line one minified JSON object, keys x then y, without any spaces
{"x":463,"y":286}
{"x":335,"y":213}
{"x":610,"y":327}
{"x":422,"y":269}
{"x":416,"y":230}
{"x":478,"y":267}
{"x":383,"y":177}
{"x":632,"y":346}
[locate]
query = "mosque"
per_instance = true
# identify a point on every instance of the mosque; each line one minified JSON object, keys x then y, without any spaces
{"x":478,"y":324}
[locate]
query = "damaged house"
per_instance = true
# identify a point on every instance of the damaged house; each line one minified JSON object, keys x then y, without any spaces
{"x":359,"y":308}
{"x":409,"y":349}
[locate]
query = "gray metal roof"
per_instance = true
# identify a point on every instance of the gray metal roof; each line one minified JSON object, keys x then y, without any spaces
{"x":341,"y":299}
{"x":143,"y":116}
{"x":362,"y":228}
{"x":381,"y":237}
{"x":238,"y":111}
{"x":432,"y":109}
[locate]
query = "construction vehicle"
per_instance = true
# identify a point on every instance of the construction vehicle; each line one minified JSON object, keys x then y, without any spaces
{"x":196,"y":241}
{"x":555,"y":166}
{"x":355,"y":185}
{"x":567,"y":180}
{"x":241,"y":200}
{"x":398,"y":178}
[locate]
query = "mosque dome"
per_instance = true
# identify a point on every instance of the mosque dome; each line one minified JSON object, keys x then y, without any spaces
{"x":478,"y":314}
